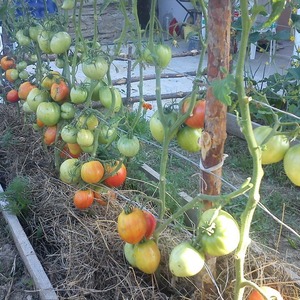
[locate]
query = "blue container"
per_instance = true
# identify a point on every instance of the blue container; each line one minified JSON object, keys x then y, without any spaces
{"x":36,"y":8}
{"x":194,"y":43}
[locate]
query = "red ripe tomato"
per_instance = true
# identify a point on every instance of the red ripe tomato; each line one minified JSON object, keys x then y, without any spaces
{"x":196,"y":118}
{"x":268,"y":291}
{"x":92,"y":171}
{"x":132,"y":225}
{"x":151,"y":223}
{"x":116,"y":179}
{"x":83,"y":199}
{"x":59,"y":91}
{"x":147,"y":256}
{"x":12,"y":96}
{"x":7,"y":62}
{"x":24,"y":89}
{"x":50,"y":135}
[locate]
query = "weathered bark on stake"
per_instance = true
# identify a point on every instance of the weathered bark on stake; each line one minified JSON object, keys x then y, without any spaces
{"x":218,"y":50}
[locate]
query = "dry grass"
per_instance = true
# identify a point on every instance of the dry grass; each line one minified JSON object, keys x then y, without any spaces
{"x":81,"y":250}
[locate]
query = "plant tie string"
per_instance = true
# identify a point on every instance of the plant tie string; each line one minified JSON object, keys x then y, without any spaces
{"x":213,"y":168}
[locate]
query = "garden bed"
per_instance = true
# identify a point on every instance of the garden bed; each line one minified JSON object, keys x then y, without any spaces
{"x":81,"y":250}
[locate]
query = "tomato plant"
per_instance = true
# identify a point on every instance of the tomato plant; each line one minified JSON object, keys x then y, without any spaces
{"x":160,"y":56}
{"x":60,"y":42}
{"x":85,"y":137}
{"x":95,"y":69}
{"x":102,"y":195}
{"x":21,"y":65}
{"x":68,"y":4}
{"x":69,"y":171}
{"x":59,"y":91}
{"x":50,"y":135}
{"x":220,"y":234}
{"x":189,"y":139}
{"x":34,"y":31}
{"x":83,"y":199}
{"x":185,"y":260}
{"x":156,"y":126}
{"x":128,"y":146}
{"x":12,"y":96}
{"x":48,"y":113}
{"x":22,"y":39}
{"x":117,"y":178}
{"x":92,"y":171}
{"x":7,"y":62}
{"x":43,"y":39}
{"x":74,"y":149}
{"x":147,"y":256}
{"x":87,"y":121}
{"x":274,"y":149}
{"x":24,"y":89}
{"x":196,"y":118}
{"x":271,"y":293}
{"x":151,"y":223}
{"x":291,"y":164}
{"x":132,"y":225}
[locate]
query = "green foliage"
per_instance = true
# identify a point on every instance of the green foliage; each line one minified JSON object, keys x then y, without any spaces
{"x":17,"y":195}
{"x":222,"y":88}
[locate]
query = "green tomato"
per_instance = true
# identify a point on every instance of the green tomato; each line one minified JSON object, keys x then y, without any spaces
{"x":35,"y":97}
{"x":291,"y":164}
{"x":43,"y":39}
{"x":68,"y":4}
{"x":95,"y":69}
{"x":67,"y":111}
{"x":163,"y":55}
{"x":60,"y":42}
{"x":48,"y":113}
{"x":23,"y":75}
{"x":22,"y":65}
{"x":221,"y":235}
{"x":85,"y":138}
{"x":128,"y":252}
{"x":106,"y":98}
{"x":69,"y":134}
{"x":70,"y":171}
{"x":87,"y":149}
{"x":185,"y":260}
{"x":189,"y":139}
{"x":22,"y":39}
{"x":34,"y":31}
{"x":26,"y":108}
{"x":59,"y":62}
{"x":107,"y":134}
{"x":78,"y":94}
{"x":274,"y":150}
{"x":128,"y":146}
{"x":156,"y":126}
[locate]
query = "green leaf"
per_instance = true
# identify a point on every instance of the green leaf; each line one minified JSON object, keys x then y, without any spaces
{"x":277,"y":8}
{"x":222,"y":89}
{"x":296,"y":21}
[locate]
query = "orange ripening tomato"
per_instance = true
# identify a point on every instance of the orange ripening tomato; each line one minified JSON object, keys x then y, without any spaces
{"x":24,"y":89}
{"x":50,"y":135}
{"x":92,"y":171}
{"x":74,"y":150}
{"x":7,"y":62}
{"x":268,"y":291}
{"x":59,"y":91}
{"x":132,"y":225}
{"x":83,"y":199}
{"x":11,"y":75}
{"x":12,"y":96}
{"x":39,"y":123}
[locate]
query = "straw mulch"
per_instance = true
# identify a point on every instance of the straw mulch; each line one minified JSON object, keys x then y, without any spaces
{"x":81,"y":251}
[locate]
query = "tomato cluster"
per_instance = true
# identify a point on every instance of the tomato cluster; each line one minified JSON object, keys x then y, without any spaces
{"x":136,"y":227}
{"x":189,"y":134}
